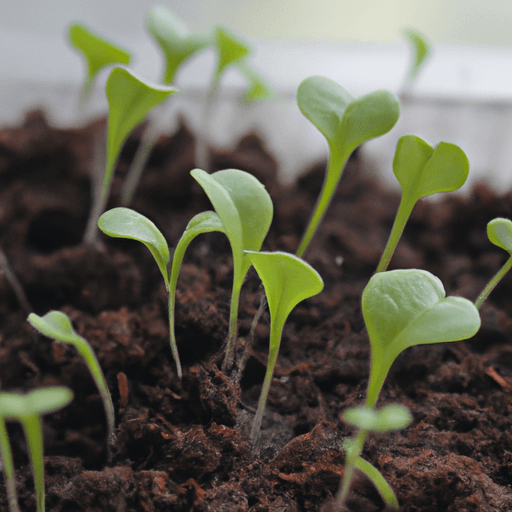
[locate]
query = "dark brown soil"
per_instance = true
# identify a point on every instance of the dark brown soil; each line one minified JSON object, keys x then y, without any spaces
{"x":184,"y":446}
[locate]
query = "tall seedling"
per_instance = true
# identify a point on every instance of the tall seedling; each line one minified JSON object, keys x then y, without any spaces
{"x":346,"y":123}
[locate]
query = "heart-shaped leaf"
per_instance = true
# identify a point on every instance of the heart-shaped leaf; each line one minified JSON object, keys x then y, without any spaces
{"x":404,"y":308}
{"x":129,"y":100}
{"x":36,"y":402}
{"x":389,"y":418}
{"x":97,"y":52}
{"x":499,"y":231}
{"x":126,"y":223}
{"x":176,"y":41}
{"x":346,"y":123}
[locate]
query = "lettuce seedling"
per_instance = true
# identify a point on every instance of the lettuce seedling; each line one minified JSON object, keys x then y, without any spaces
{"x":28,"y":409}
{"x":346,"y":123}
{"x":287,"y":280}
{"x":129,"y":100}
{"x":389,"y":418}
{"x":57,"y":325}
{"x":499,"y":231}
{"x":421,"y":171}
{"x":421,"y":51}
{"x":7,"y":465}
{"x":98,"y":53}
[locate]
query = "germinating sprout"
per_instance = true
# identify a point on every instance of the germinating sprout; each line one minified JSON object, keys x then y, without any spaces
{"x":98,"y":52}
{"x":28,"y":409}
{"x":129,"y":100}
{"x":421,"y":51}
{"x":499,"y":231}
{"x":57,"y":325}
{"x":287,"y":280}
{"x":421,"y":171}
{"x":345,"y":122}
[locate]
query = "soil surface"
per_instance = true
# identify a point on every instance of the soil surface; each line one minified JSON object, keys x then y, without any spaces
{"x":184,"y":446}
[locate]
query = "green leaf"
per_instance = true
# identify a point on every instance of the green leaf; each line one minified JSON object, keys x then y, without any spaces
{"x":346,"y":123}
{"x":126,"y":223}
{"x":36,"y":402}
{"x":230,"y":49}
{"x":287,"y":280}
{"x":389,"y":418}
{"x":499,"y":231}
{"x":129,"y":100}
{"x":258,"y":89}
{"x":176,"y":41}
{"x":97,"y":52}
{"x":421,"y":49}
{"x":404,"y":308}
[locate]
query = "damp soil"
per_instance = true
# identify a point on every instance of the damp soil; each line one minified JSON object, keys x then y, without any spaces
{"x":183,"y":446}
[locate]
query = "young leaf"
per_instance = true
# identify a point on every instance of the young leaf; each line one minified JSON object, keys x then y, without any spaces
{"x":421,"y":171}
{"x":421,"y":50}
{"x":287,"y":280}
{"x":346,"y":123}
{"x":258,"y":89}
{"x":97,"y":52}
{"x":174,"y":38}
{"x":126,"y":223}
{"x":245,"y":210}
{"x":230,"y":49}
{"x":27,"y":409}
{"x":129,"y":100}
{"x":391,"y":417}
{"x":57,"y":325}
{"x":404,"y":308}
{"x":499,"y":231}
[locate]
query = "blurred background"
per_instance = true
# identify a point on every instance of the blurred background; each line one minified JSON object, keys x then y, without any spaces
{"x":463,"y":94}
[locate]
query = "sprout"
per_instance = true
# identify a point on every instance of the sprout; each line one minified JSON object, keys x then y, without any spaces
{"x":57,"y":325}
{"x":287,"y":280}
{"x":499,"y":231}
{"x":98,"y":52}
{"x":421,"y":171}
{"x":346,"y":123}
{"x":28,"y":409}
{"x":129,"y":100}
{"x":421,"y":50}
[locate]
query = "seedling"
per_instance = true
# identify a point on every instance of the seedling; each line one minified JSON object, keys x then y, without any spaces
{"x":97,"y":52}
{"x":129,"y":100}
{"x":8,"y":467}
{"x":402,"y":309}
{"x":57,"y":325}
{"x":346,"y":123}
{"x":499,"y":232}
{"x":421,"y":171}
{"x":287,"y":280}
{"x":28,"y":409}
{"x":421,"y":51}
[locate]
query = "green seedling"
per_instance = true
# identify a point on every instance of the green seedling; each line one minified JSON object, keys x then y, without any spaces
{"x":7,"y":465}
{"x":129,"y":100}
{"x":402,"y":309}
{"x":28,"y":409}
{"x":421,"y":51}
{"x":499,"y":231}
{"x":57,"y":325}
{"x":245,"y":211}
{"x":389,"y":418}
{"x":287,"y":280}
{"x":421,"y":171}
{"x":346,"y":123}
{"x":98,"y":53}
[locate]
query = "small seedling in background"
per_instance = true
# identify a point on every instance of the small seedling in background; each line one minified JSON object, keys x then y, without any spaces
{"x":402,"y":309}
{"x":7,"y":465}
{"x":346,"y":123}
{"x":57,"y":325}
{"x":245,"y":210}
{"x":287,"y":280}
{"x":129,"y":100}
{"x":421,"y":171}
{"x":499,"y":231}
{"x":28,"y":409}
{"x":421,"y":51}
{"x":97,"y":52}
{"x":389,"y":418}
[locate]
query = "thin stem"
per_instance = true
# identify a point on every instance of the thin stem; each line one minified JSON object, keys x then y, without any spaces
{"x":229,"y":357}
{"x":14,"y":282}
{"x":8,"y":468}
{"x":493,"y":282}
{"x":33,"y":433}
{"x":172,"y":333}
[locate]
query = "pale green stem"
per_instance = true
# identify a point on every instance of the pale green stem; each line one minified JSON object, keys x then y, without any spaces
{"x":402,"y":215}
{"x":172,"y":333}
{"x":493,"y":282}
{"x":8,"y":468}
{"x":14,"y":282}
{"x":33,"y":433}
{"x":333,"y":175}
{"x":276,"y":332}
{"x":229,"y":356}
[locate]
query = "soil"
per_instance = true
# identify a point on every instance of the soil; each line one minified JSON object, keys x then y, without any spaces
{"x":183,"y":446}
